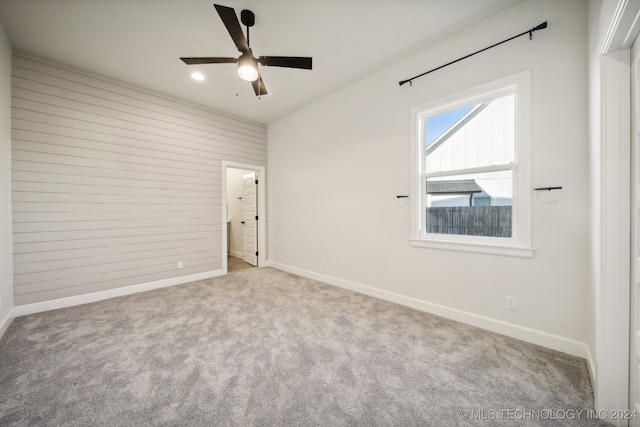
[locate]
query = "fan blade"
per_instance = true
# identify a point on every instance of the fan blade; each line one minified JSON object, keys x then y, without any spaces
{"x":286,"y":61}
{"x":259,"y":87}
{"x":230,"y":20}
{"x":192,"y":61}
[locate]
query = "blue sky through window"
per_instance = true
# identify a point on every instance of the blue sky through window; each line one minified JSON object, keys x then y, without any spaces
{"x":437,"y":125}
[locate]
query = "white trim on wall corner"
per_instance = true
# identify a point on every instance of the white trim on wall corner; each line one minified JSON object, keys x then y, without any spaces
{"x":591,"y":366}
{"x":6,"y":322}
{"x":533,"y":336}
{"x":38,"y":307}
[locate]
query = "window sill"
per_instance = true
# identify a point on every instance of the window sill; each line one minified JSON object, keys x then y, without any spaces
{"x":482,"y":248}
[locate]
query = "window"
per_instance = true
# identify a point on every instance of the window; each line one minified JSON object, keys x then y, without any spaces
{"x":471,"y":188}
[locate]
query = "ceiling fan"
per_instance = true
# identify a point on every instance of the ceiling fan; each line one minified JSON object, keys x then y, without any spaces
{"x":247,"y":63}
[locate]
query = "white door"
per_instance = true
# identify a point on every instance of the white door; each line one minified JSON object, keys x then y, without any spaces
{"x":634,"y":315}
{"x":250,"y":219}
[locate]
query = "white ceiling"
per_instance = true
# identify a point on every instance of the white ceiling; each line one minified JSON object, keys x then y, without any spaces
{"x":140,"y":41}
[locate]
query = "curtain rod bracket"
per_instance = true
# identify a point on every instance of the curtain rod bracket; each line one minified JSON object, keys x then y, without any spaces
{"x":547,"y":188}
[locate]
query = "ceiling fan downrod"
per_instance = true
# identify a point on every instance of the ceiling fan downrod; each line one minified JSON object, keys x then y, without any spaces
{"x":249,"y":20}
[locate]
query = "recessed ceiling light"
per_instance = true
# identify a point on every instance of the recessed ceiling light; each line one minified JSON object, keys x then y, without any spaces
{"x":197,"y":76}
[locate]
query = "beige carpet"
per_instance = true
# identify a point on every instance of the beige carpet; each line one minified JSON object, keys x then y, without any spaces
{"x":262,"y":347}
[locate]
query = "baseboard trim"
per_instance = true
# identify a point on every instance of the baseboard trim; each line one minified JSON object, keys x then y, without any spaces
{"x":544,"y":339}
{"x":236,"y":254}
{"x":38,"y":307}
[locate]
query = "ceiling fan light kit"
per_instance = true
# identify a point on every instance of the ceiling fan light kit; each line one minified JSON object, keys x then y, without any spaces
{"x":247,"y":63}
{"x":248,"y":68}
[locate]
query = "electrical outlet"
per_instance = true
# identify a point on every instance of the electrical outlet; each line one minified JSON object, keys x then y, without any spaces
{"x":323,"y":262}
{"x":180,"y":265}
{"x":511,"y":303}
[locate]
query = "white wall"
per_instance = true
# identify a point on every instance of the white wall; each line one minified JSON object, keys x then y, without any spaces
{"x":337,"y":165}
{"x":235,"y":189}
{"x":6,"y":252}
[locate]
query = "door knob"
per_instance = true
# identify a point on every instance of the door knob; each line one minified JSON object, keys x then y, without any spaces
{"x":241,"y":222}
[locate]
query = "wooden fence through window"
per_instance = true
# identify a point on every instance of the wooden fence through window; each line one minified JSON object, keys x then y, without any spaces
{"x":493,"y":221}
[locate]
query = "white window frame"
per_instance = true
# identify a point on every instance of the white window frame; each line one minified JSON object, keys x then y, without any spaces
{"x":519,"y":244}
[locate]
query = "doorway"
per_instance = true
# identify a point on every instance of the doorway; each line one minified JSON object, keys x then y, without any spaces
{"x":243,"y":216}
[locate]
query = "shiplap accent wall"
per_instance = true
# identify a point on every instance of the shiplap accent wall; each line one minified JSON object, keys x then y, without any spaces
{"x":113,"y":184}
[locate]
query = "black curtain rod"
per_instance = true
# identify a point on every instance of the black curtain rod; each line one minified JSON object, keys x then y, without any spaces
{"x":530,"y":32}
